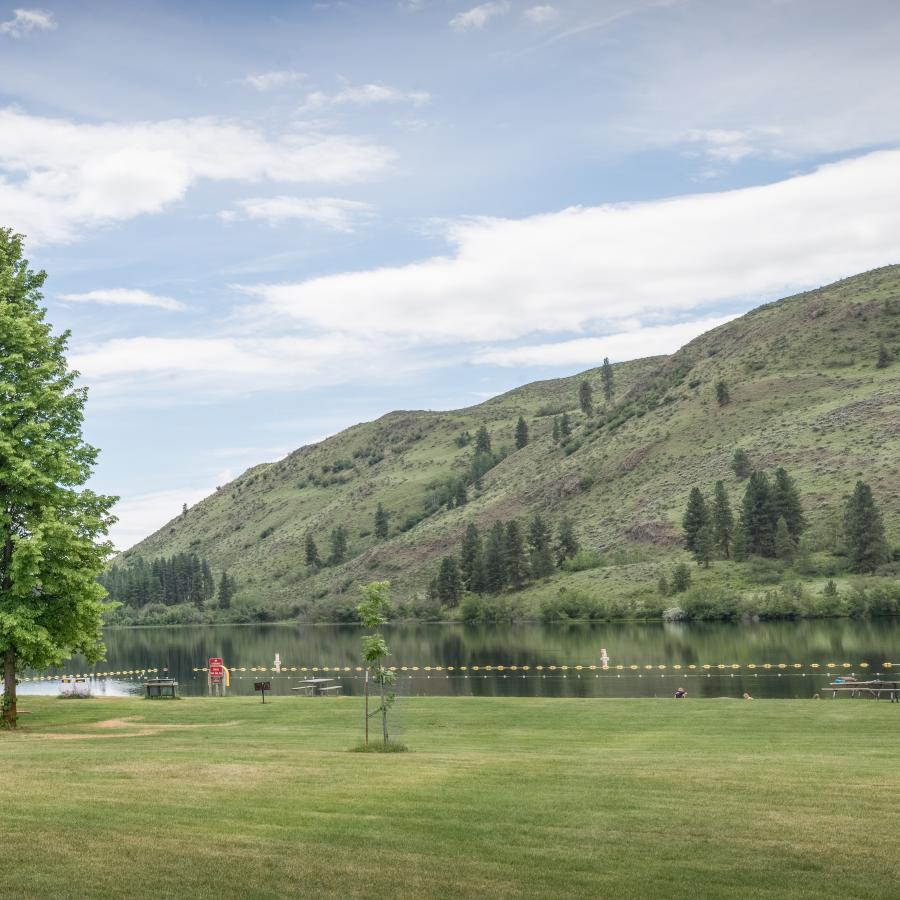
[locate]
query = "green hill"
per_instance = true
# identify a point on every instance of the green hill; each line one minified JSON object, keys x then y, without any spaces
{"x":806,"y":394}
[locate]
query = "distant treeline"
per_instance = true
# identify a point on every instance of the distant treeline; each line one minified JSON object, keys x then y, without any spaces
{"x":182,"y":578}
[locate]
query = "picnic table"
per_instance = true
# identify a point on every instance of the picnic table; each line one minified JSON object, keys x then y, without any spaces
{"x":157,"y":688}
{"x":317,"y":687}
{"x":874,"y":688}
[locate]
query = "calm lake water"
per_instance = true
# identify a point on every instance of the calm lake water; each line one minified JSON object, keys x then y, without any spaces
{"x":178,"y":651}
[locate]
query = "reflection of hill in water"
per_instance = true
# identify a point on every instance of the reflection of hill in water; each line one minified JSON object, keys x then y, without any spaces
{"x":182,"y":649}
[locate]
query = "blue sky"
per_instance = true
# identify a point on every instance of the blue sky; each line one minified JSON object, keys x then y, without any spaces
{"x":265,"y":222}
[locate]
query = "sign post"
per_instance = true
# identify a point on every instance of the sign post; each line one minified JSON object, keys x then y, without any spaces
{"x":262,"y":687}
{"x":216,"y":676}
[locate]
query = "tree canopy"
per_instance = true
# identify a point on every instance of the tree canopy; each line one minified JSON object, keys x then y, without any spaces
{"x":52,"y":529}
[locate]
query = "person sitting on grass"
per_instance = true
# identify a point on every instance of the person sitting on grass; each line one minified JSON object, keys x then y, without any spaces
{"x":680,"y":694}
{"x":747,"y":696}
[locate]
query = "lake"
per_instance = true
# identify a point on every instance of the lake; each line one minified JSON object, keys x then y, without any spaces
{"x":804,"y":648}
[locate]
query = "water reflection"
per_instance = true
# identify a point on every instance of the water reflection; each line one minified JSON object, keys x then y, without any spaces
{"x":177,"y":651}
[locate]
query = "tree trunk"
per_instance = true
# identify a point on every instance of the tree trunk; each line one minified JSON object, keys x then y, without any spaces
{"x":384,"y":713}
{"x":9,"y":688}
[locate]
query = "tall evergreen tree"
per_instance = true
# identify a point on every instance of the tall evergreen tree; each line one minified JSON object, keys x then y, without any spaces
{"x":555,"y":432}
{"x":785,"y":547}
{"x":312,"y":553}
{"x":586,"y":398}
{"x":884,"y":357}
{"x":757,"y":516}
{"x":472,"y":560}
{"x":52,"y":529}
{"x":449,"y":582}
{"x":226,"y":591}
{"x":695,"y":517}
{"x":495,"y":559}
{"x":567,"y":544}
{"x":740,"y":463}
{"x":565,"y":425}
{"x":704,"y":545}
{"x":460,"y":495}
{"x":786,"y":504}
{"x":516,"y":562}
{"x":338,"y":546}
{"x":381,"y":522}
{"x":867,"y":547}
{"x":521,"y":433}
{"x":540,"y":551}
{"x":482,"y":440}
{"x":606,"y":374}
{"x":722,"y":521}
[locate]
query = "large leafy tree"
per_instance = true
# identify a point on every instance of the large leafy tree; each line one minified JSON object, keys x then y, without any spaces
{"x":52,"y":529}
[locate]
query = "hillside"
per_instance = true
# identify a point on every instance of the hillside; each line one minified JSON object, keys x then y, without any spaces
{"x":805,"y":394}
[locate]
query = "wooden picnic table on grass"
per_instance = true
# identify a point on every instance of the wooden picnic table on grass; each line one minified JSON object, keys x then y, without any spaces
{"x":316,"y":687}
{"x":874,"y":688}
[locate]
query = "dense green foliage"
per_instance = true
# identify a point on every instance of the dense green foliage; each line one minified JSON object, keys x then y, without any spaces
{"x":183,"y":578}
{"x":52,"y":529}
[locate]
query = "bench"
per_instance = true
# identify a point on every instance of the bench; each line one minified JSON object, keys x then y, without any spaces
{"x":873,"y":688}
{"x":334,"y":689}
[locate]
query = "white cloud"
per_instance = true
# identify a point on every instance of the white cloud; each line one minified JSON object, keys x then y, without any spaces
{"x":25,"y":21}
{"x":479,"y":16}
{"x":590,"y":269}
{"x":124,"y":297}
{"x":330,"y":212}
{"x":271,"y":81}
{"x":651,"y":341}
{"x":365,"y":95}
{"x":540,"y":15}
{"x":58,"y":178}
{"x":142,"y":514}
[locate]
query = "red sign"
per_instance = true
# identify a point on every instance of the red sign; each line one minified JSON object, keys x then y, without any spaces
{"x":216,"y":669}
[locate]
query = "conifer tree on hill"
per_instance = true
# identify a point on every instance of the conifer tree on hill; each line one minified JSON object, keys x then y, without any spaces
{"x":495,"y":559}
{"x":786,"y":504}
{"x":540,"y":551}
{"x":482,"y":440}
{"x":338,"y":546}
{"x":521,"y":433}
{"x":586,"y":398}
{"x":472,"y":560}
{"x":567,"y":544}
{"x":867,"y":547}
{"x":449,"y":582}
{"x":516,"y":562}
{"x":381,"y":523}
{"x":757,"y":516}
{"x":696,"y":516}
{"x":722,"y":521}
{"x":312,"y":553}
{"x":565,"y":425}
{"x":606,"y":374}
{"x":52,"y":529}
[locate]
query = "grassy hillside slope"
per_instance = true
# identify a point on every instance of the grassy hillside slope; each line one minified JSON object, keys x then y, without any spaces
{"x":805,"y":394}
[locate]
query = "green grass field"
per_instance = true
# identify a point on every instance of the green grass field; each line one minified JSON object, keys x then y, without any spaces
{"x":498,"y":798}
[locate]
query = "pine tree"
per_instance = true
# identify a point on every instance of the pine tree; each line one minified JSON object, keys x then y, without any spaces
{"x":381,"y":522}
{"x":757,"y":516}
{"x":722,"y":521}
{"x":586,"y":398}
{"x":449,"y":582}
{"x":695,"y":517}
{"x":867,"y":547}
{"x":495,"y":559}
{"x":556,"y":429}
{"x":723,"y":395}
{"x":460,"y":495}
{"x":472,"y":560}
{"x":521,"y":433}
{"x":540,"y":551}
{"x":312,"y":553}
{"x":704,"y":545}
{"x":784,"y":543}
{"x":482,"y":440}
{"x":681,"y":579}
{"x":565,"y":425}
{"x":52,"y":529}
{"x":567,"y":544}
{"x":739,"y":545}
{"x":516,"y":563}
{"x":338,"y":546}
{"x":786,"y":504}
{"x":884,"y":357}
{"x":226,"y":591}
{"x":606,"y":373}
{"x":740,"y":463}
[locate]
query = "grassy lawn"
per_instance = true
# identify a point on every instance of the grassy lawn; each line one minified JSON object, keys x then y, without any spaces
{"x":499,"y":798}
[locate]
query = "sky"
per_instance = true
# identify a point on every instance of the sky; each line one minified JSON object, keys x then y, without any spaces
{"x":265,"y":222}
